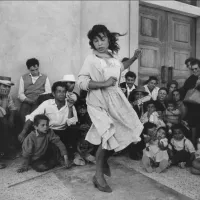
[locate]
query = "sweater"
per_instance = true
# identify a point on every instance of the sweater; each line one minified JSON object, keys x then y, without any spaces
{"x":35,"y":144}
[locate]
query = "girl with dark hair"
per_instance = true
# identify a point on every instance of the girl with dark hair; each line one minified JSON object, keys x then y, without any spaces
{"x":115,"y":123}
{"x":151,"y":87}
{"x":173,"y":85}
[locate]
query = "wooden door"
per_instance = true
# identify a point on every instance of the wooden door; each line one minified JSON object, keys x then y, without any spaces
{"x":166,"y":39}
{"x":180,"y":45}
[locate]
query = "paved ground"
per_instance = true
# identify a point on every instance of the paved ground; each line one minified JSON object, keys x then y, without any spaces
{"x":76,"y":184}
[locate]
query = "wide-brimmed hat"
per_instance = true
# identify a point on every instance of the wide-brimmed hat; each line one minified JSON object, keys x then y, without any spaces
{"x":6,"y":80}
{"x":140,"y":89}
{"x":68,"y":78}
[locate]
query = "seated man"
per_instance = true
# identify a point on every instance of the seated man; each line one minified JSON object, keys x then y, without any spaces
{"x":62,"y":115}
{"x":137,"y":100}
{"x":31,"y":86}
{"x":69,"y":81}
{"x":128,"y":86}
{"x":7,"y":114}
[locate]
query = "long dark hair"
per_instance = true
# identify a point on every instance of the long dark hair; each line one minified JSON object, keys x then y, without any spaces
{"x":112,"y":37}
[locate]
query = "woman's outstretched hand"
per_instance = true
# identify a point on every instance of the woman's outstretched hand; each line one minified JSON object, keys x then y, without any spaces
{"x":111,"y":81}
{"x":137,"y":53}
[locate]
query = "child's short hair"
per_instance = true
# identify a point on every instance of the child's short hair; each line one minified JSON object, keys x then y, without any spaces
{"x":32,"y":62}
{"x":171,"y":102}
{"x":148,"y":125}
{"x":38,"y":118}
{"x":130,"y":74}
{"x":179,"y":127}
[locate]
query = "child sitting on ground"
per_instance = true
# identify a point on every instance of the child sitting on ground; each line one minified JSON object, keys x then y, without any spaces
{"x":151,"y":115}
{"x":84,"y":148}
{"x":38,"y":149}
{"x":181,"y":149}
{"x":172,"y":115}
{"x":155,"y":154}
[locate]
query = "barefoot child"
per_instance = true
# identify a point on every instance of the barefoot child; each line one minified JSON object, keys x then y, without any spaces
{"x":155,"y":154}
{"x":38,"y":149}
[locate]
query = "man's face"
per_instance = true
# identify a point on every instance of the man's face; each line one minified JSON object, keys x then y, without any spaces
{"x":139,"y":95}
{"x":60,"y":93}
{"x":34,"y":70}
{"x":195,"y":70}
{"x":4,"y":90}
{"x":130,"y":81}
{"x":151,"y":108}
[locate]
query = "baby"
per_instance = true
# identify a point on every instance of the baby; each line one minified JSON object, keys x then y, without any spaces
{"x":155,"y":154}
{"x":151,"y":115}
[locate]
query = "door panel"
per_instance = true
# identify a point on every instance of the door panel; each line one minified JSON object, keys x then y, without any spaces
{"x":167,"y":39}
{"x":151,"y":42}
{"x":181,"y":44}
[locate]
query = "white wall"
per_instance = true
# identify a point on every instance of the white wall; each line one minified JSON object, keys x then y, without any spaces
{"x":55,"y":32}
{"x":47,"y":30}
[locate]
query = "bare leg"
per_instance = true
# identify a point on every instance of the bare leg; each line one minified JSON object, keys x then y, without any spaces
{"x":100,"y":159}
{"x":106,"y":168}
{"x":147,"y":164}
{"x":162,"y":166}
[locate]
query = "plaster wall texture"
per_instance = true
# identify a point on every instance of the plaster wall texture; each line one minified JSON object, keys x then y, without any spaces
{"x":55,"y":32}
{"x":46,"y":30}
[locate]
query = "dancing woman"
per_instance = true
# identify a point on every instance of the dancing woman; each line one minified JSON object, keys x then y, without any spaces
{"x":115,"y":123}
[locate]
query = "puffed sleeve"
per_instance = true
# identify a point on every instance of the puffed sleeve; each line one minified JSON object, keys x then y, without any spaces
{"x":84,"y":75}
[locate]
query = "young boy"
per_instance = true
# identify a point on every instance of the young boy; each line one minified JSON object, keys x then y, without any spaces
{"x":37,"y":148}
{"x":84,"y":148}
{"x":181,"y":149}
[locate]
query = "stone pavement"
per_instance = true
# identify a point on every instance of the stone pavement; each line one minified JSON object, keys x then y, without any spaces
{"x":76,"y":184}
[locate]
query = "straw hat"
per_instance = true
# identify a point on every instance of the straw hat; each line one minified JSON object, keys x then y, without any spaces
{"x":6,"y":81}
{"x":68,"y":78}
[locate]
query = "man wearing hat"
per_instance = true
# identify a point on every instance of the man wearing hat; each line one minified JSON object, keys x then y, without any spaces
{"x":137,"y":98}
{"x":7,"y":114}
{"x":70,"y":81}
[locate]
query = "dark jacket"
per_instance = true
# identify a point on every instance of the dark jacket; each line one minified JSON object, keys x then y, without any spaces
{"x":123,"y":85}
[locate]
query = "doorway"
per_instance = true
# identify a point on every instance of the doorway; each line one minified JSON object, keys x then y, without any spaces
{"x":167,"y":39}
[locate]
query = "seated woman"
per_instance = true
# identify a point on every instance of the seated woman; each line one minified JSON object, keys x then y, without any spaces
{"x":176,"y":94}
{"x":151,"y":87}
{"x":173,"y":85}
{"x":151,"y":115}
{"x":161,"y":101}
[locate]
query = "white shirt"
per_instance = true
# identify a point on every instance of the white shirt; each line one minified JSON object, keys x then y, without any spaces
{"x":21,"y":94}
{"x":129,"y":90}
{"x":154,"y":93}
{"x":58,"y":119}
{"x":179,"y":145}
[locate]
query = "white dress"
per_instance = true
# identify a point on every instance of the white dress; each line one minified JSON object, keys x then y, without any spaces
{"x":115,"y":124}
